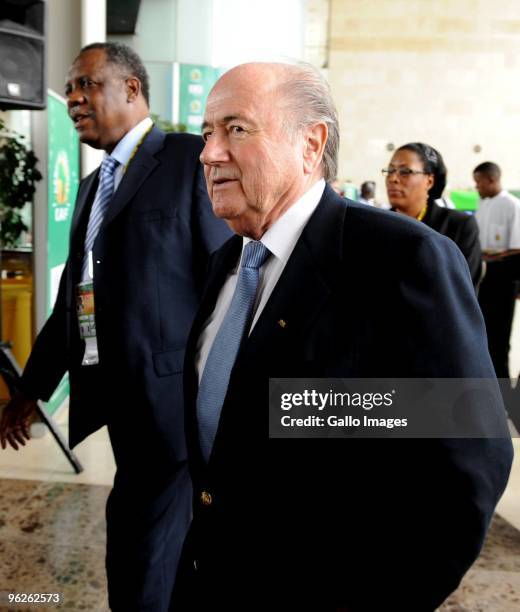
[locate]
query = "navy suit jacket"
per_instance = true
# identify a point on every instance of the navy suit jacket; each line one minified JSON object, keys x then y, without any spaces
{"x":149,"y":260}
{"x":367,"y":524}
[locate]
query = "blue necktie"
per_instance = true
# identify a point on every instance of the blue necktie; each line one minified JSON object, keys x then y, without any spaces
{"x":223,"y":353}
{"x":103,"y":196}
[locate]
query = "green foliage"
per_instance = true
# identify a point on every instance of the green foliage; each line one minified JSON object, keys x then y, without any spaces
{"x":167,"y":126}
{"x":18,"y":176}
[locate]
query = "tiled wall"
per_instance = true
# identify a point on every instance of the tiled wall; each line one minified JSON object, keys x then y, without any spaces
{"x":446,"y":72}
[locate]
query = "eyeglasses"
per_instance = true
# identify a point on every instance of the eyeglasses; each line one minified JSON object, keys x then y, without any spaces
{"x":402,"y":172}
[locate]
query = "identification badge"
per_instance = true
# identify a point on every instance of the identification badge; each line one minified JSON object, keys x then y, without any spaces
{"x":85,"y":309}
{"x":87,"y":321}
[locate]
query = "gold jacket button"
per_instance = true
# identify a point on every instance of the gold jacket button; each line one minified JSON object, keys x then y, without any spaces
{"x":206,"y":498}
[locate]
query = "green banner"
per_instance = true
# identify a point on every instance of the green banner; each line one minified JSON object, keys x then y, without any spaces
{"x":465,"y":200}
{"x":63,"y":182}
{"x":195,"y":82}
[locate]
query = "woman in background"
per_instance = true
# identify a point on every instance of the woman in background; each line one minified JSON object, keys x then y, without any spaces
{"x":415,"y":178}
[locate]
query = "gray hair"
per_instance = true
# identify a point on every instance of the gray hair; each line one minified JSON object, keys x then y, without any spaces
{"x":308,"y":100}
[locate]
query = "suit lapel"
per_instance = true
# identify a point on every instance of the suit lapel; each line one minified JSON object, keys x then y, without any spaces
{"x":307,"y":280}
{"x":432,"y":215}
{"x":138,"y":170}
{"x":221,"y":264}
{"x":85,"y":195}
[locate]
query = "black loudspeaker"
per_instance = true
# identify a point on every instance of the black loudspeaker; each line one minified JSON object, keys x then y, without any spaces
{"x":22,"y":54}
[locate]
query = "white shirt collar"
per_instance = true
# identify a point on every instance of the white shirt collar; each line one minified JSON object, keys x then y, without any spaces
{"x":282,"y":236}
{"x":125,"y":147}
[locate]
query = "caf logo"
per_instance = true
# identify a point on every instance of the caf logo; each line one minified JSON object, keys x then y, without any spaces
{"x":61,"y":184}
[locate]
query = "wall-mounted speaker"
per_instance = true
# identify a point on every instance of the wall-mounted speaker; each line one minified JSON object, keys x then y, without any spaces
{"x":22,"y":54}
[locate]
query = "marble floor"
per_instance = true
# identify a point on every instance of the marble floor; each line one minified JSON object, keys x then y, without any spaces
{"x":52,"y":539}
{"x":493,"y":583}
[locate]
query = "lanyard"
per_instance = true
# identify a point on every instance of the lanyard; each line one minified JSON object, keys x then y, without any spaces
{"x":132,"y":155}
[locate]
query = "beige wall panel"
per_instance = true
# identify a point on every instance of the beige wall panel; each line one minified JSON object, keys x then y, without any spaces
{"x":444,"y":72}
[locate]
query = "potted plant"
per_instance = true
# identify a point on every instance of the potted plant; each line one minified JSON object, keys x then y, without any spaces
{"x":18,"y":177}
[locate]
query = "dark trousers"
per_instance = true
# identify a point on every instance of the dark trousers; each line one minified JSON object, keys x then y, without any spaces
{"x":497,"y":299}
{"x":148,"y":514}
{"x":149,"y":508}
{"x":144,"y":541}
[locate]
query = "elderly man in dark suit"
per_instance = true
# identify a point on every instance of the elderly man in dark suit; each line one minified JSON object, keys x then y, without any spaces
{"x":141,"y":233}
{"x":313,"y":286}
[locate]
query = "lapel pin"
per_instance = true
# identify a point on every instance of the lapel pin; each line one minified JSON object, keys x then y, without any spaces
{"x":282,"y":323}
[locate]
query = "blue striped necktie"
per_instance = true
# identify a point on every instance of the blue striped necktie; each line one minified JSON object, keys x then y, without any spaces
{"x":221,"y":359}
{"x":103,"y":196}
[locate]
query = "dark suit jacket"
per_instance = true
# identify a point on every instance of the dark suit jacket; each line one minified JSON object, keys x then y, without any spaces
{"x":370,"y":524}
{"x":149,"y":260}
{"x":150,"y":256}
{"x":462,"y":229}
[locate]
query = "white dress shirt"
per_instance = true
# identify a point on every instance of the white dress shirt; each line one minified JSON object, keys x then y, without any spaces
{"x":498,"y":221}
{"x":280,"y":239}
{"x":126,"y":147}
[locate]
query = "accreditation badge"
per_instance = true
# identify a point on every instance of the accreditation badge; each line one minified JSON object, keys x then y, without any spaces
{"x":85,"y":309}
{"x":87,"y":321}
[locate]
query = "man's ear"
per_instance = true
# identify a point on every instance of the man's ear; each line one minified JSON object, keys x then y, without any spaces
{"x":133,"y":87}
{"x":315,"y":138}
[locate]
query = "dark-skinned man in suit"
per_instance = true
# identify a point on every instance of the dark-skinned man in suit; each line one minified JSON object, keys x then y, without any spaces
{"x":322,"y":524}
{"x":141,"y":234}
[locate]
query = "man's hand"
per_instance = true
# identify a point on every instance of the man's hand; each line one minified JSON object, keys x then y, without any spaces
{"x":16,"y":421}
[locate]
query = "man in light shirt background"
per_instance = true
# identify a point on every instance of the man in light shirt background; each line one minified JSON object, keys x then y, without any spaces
{"x":498,"y":214}
{"x":498,"y":218}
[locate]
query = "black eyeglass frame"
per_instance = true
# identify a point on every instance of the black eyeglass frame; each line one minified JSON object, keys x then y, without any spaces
{"x":402,"y":172}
